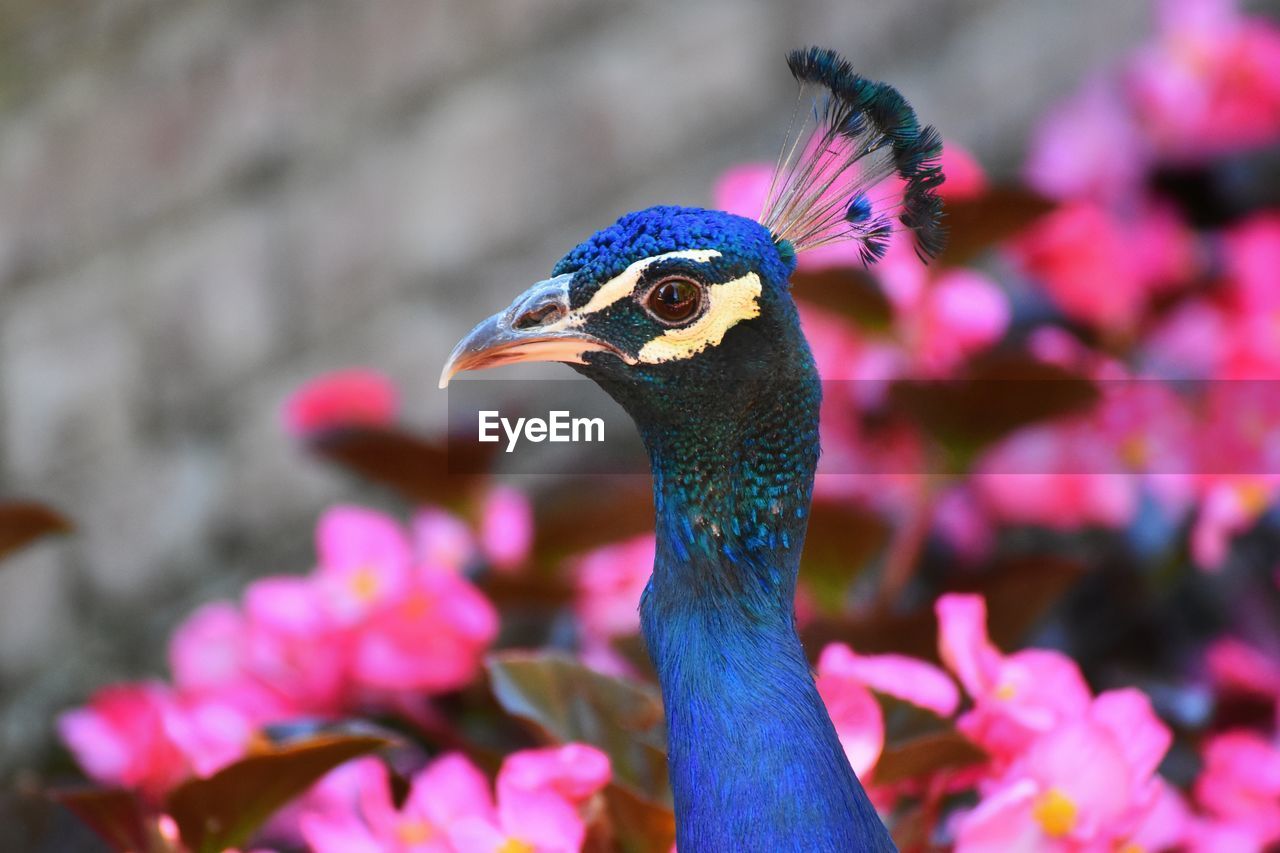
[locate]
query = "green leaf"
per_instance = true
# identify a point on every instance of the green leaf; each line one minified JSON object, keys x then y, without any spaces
{"x":22,"y":522}
{"x":569,"y":702}
{"x":420,"y":470}
{"x":225,"y":809}
{"x":116,"y":815}
{"x":925,"y":755}
{"x":848,"y":291}
{"x":974,"y":225}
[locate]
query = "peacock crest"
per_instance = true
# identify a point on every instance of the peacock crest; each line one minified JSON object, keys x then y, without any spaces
{"x":855,"y":165}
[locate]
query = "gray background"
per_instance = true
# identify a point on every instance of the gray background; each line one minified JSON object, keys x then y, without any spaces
{"x":204,"y":203}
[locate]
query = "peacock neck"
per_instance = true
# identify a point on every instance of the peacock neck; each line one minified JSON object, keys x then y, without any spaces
{"x":754,"y":759}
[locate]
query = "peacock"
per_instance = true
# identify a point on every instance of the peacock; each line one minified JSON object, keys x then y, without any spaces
{"x":683,"y":315}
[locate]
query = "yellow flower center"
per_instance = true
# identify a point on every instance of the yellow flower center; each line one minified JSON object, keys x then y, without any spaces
{"x":364,"y":584}
{"x":1134,"y":452}
{"x":1131,"y":848}
{"x":1055,"y":812}
{"x":1253,"y":496}
{"x":515,"y":845}
{"x":1006,"y":691}
{"x":414,"y":832}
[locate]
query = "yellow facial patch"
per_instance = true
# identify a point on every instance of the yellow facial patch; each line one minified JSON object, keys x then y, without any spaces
{"x":728,"y":304}
{"x":623,"y":284}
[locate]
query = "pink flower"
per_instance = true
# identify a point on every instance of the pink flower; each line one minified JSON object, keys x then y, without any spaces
{"x":295,"y":648}
{"x":442,"y":540}
{"x":537,"y":821}
{"x":1089,"y":147}
{"x":353,"y":397}
{"x":272,"y":665}
{"x":506,"y":528}
{"x":122,"y":737}
{"x":575,"y":771}
{"x":1229,"y":506}
{"x":1251,"y":253}
{"x":212,"y":732}
{"x":1085,"y":784}
{"x":843,"y":678}
{"x":450,"y":809}
{"x":1032,"y":478}
{"x":961,"y":313}
{"x":1016,"y":697}
{"x":1240,"y":783}
{"x":1100,"y":268}
{"x":1235,"y":665}
{"x":963,"y":525}
{"x":367,"y":821}
{"x":364,"y":561}
{"x":1210,"y":82}
{"x":857,"y":717}
{"x":906,"y":678}
{"x":148,"y":738}
{"x":208,"y":654}
{"x":609,"y":583}
{"x":430,"y":637}
{"x":965,"y":176}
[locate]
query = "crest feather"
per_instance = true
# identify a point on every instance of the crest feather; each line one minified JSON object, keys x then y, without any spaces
{"x":853,"y":134}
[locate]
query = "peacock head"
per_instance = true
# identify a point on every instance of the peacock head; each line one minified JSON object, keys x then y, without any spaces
{"x":668,"y":302}
{"x":666,"y":305}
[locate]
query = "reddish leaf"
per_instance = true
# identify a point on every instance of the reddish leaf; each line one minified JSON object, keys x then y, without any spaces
{"x":115,"y":814}
{"x":225,"y":809}
{"x":639,"y":824}
{"x":976,"y":224}
{"x":575,"y":519}
{"x":1018,"y":593}
{"x":420,"y":470}
{"x":841,"y":542}
{"x":924,"y":755}
{"x":995,"y":395}
{"x":849,"y":291}
{"x":569,"y":702}
{"x":23,"y":522}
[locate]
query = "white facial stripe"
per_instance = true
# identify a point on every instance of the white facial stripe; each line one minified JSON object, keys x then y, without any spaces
{"x":622,"y":285}
{"x":728,"y":304}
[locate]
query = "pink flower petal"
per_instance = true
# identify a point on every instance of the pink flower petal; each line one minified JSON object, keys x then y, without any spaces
{"x":541,"y":818}
{"x":506,"y":528}
{"x":441,"y":540}
{"x":343,"y":398}
{"x":449,"y":789}
{"x":900,"y":676}
{"x":575,"y":771}
{"x":1142,"y":737}
{"x":857,"y":717}
{"x":962,"y":641}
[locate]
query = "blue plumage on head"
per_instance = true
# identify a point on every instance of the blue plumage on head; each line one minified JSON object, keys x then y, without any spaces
{"x":830,"y":181}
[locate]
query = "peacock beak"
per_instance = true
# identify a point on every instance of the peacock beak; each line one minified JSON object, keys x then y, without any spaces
{"x":537,"y":326}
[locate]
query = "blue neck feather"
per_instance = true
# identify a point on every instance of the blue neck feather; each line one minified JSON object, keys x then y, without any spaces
{"x":755,"y":762}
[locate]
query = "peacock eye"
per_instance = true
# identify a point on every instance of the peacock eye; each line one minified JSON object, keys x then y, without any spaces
{"x":674,"y":300}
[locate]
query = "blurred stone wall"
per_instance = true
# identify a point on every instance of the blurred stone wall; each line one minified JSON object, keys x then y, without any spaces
{"x":203,"y":202}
